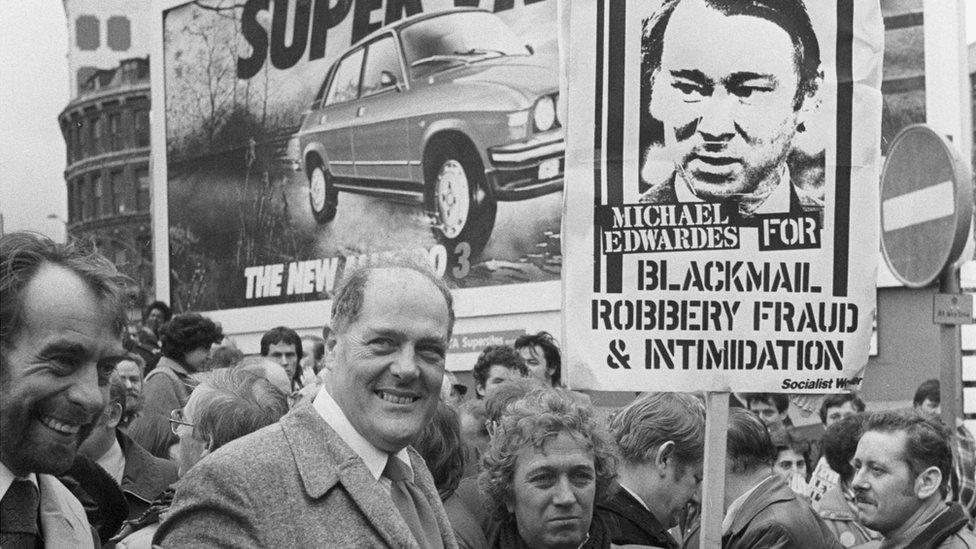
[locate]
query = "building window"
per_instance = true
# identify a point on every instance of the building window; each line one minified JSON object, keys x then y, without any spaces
{"x":118,"y":191}
{"x":71,"y":201}
{"x":86,"y":32}
{"x":118,"y":33}
{"x":86,"y":200}
{"x":83,"y":74}
{"x":142,"y":189}
{"x":99,"y":201}
{"x":98,"y":134}
{"x":115,"y":131}
{"x":142,"y":128}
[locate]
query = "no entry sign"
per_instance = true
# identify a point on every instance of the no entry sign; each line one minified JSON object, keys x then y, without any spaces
{"x":926,"y":205}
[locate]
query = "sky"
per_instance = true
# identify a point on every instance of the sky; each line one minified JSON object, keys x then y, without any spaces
{"x":33,"y":91}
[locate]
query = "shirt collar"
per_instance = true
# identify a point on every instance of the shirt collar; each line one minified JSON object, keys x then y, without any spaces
{"x":635,"y":496}
{"x":734,"y":507}
{"x":113,"y":461}
{"x":778,"y":201}
{"x":374,"y":458}
{"x":7,"y":477}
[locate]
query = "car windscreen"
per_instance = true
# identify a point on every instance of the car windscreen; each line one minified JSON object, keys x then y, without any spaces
{"x":466,"y":36}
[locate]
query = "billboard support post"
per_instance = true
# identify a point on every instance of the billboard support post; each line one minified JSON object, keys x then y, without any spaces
{"x":950,"y":373}
{"x":713,"y":485}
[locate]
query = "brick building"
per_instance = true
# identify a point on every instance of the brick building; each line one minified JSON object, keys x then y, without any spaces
{"x":106,"y":128}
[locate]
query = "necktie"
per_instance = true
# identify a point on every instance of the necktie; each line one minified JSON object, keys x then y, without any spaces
{"x":18,"y":516}
{"x":413,"y":506}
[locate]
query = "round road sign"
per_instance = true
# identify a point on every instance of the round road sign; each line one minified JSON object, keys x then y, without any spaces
{"x":926,"y":205}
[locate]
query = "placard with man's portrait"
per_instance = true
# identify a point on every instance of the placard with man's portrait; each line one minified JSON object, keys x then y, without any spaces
{"x":722,"y":193}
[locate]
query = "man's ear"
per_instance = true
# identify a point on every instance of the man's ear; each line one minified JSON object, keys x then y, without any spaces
{"x":114,"y":416}
{"x":330,"y":346}
{"x":664,"y":454}
{"x":479,"y":389}
{"x":810,"y":107}
{"x":928,"y":482}
{"x":654,"y":108}
{"x":207,"y":448}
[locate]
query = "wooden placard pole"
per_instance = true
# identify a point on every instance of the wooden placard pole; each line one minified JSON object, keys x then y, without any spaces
{"x":713,"y":485}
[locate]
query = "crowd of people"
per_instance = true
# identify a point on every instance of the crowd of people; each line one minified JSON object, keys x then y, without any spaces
{"x":165,"y":434}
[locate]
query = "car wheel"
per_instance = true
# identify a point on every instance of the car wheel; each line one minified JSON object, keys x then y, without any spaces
{"x":322,"y":194}
{"x":464,"y":210}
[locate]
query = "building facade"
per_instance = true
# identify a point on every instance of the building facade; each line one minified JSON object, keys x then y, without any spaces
{"x":106,"y":129}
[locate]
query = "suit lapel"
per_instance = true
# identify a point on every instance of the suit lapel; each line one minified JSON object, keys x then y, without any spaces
{"x":58,"y":524}
{"x":324,"y":460}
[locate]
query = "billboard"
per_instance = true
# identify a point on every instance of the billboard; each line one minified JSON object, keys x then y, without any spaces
{"x":306,"y":136}
{"x":724,"y":163}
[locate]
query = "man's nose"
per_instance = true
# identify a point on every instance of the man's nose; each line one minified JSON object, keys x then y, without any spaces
{"x":405,"y":364}
{"x":85,"y":392}
{"x":716,"y":122}
{"x":563,"y":493}
{"x":859,"y":482}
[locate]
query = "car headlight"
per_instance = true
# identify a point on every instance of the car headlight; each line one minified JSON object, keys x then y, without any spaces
{"x":544,"y":114}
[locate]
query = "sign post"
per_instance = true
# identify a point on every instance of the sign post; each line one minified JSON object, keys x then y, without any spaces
{"x":713,"y":485}
{"x":926,"y":214}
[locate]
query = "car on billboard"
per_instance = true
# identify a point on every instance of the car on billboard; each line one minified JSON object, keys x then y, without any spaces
{"x":448,"y":110}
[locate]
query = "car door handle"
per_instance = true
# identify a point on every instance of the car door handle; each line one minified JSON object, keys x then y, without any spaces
{"x":360,"y":111}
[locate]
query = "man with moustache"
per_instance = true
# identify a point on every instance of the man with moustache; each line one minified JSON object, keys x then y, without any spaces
{"x":338,"y":471}
{"x":60,"y":335}
{"x":733,"y":83}
{"x":901,"y":472}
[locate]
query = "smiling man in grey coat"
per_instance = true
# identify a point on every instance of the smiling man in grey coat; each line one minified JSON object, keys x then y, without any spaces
{"x":338,"y":472}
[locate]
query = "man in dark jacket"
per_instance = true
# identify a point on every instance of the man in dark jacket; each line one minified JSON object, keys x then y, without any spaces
{"x":902,"y":466}
{"x":661,"y":440}
{"x":140,"y":475}
{"x":760,"y":508}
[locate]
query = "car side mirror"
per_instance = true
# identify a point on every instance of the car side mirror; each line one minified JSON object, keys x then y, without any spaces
{"x":388,"y":79}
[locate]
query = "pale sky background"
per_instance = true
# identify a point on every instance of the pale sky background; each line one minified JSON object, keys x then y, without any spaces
{"x":33,"y":91}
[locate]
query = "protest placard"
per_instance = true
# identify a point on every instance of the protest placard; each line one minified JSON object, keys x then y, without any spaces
{"x":721,"y":219}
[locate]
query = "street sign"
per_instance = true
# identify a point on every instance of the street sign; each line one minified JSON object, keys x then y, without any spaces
{"x":952,"y":309}
{"x":926,"y":205}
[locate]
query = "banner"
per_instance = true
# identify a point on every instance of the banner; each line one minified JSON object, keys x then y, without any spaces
{"x":305,"y":136}
{"x":721,"y":217}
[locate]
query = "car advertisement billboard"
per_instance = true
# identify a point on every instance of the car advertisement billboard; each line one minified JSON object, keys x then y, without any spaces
{"x":305,"y":136}
{"x":724,"y":163}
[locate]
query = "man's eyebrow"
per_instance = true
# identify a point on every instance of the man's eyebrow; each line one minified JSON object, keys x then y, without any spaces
{"x":739,"y":78}
{"x":691,"y":74}
{"x":65,"y":347}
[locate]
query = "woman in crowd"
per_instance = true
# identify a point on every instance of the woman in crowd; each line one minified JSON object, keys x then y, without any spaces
{"x":549,"y":461}
{"x":445,"y":453}
{"x":186,"y":350}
